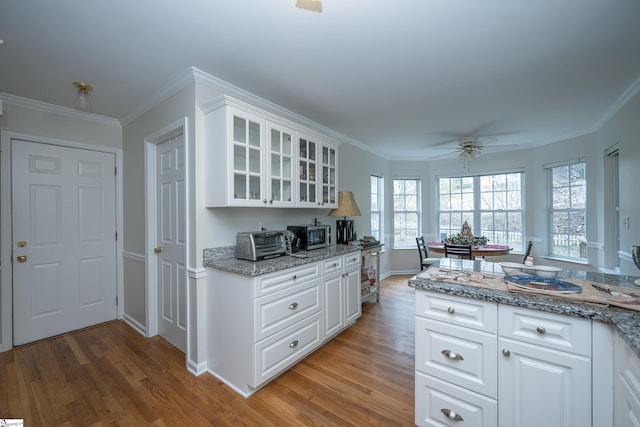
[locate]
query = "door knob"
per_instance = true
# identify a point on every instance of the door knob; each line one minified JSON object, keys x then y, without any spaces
{"x":158,"y":249}
{"x":21,"y":244}
{"x":21,"y":258}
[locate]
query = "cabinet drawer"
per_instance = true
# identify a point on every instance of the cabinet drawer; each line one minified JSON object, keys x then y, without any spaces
{"x":457,"y":355}
{"x":352,"y":259}
{"x":273,"y":282}
{"x":461,"y":311}
{"x":550,"y":330}
{"x":275,"y":354}
{"x":332,"y":265}
{"x":278,"y":310}
{"x":435,"y":398}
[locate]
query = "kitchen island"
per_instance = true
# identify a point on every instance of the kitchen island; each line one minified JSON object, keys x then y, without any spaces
{"x":494,"y":357}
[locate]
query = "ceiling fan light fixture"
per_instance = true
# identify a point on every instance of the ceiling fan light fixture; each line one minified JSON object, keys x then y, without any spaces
{"x":474,"y":154}
{"x":312,"y":5}
{"x":462,"y":155}
{"x":82,"y":102}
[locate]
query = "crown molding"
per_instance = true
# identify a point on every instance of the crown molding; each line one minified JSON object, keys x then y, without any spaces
{"x":632,"y":91}
{"x":44,"y":107}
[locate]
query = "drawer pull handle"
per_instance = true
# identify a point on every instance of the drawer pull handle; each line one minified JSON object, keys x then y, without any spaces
{"x":293,"y":344}
{"x":451,"y":310}
{"x":540,"y":330}
{"x":295,"y":277}
{"x":293,"y":306}
{"x":452,"y":355}
{"x":452,"y":415}
{"x":335,"y":264}
{"x":506,"y":352}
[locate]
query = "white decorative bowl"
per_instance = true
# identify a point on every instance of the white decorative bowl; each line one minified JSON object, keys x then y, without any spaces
{"x":512,"y":267}
{"x":546,"y":271}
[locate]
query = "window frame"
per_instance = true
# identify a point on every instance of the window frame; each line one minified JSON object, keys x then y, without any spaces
{"x":407,"y":243}
{"x":474,"y":214}
{"x":377,"y":209}
{"x":570,"y":211}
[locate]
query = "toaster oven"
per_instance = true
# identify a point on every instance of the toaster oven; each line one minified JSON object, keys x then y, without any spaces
{"x":259,"y":245}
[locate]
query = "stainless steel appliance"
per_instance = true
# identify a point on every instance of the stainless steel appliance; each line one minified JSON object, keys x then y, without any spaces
{"x":259,"y":245}
{"x":312,"y":236}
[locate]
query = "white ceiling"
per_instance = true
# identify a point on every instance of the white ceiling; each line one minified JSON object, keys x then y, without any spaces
{"x":398,"y":76}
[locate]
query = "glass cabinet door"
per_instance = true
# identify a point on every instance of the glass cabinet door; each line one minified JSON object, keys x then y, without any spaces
{"x":281,"y":167}
{"x":329,"y":170}
{"x":247,"y":159}
{"x":307,"y":171}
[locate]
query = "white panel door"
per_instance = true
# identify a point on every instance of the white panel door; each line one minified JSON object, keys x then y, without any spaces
{"x":172,"y":275}
{"x":64,"y":248}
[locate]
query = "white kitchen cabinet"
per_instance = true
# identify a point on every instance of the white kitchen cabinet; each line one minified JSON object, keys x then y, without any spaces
{"x":280,"y":166}
{"x":479,"y":361}
{"x":341,"y":293}
{"x":236,"y":150}
{"x":261,"y":326}
{"x":317,"y":173}
{"x":256,"y":159}
{"x":626,"y":389}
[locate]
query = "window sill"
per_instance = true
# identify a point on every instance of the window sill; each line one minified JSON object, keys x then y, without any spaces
{"x":571,"y":261}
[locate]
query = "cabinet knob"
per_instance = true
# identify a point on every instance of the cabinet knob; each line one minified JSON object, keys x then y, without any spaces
{"x":451,"y":310}
{"x":506,"y":352}
{"x":293,"y":344}
{"x":293,"y":306}
{"x":264,"y":201}
{"x":541,"y":330}
{"x":294,"y":277}
{"x":452,"y":355}
{"x":452,"y":415}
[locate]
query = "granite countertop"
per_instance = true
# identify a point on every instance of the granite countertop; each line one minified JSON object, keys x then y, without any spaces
{"x":626,"y":322}
{"x":223,"y":258}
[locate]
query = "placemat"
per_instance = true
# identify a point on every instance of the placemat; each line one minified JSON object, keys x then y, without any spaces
{"x":592,"y":292}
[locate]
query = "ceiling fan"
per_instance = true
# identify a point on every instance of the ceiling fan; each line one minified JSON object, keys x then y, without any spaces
{"x":470,"y":147}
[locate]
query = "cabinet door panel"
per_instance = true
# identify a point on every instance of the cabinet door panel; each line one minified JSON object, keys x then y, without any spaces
{"x":352,"y":292}
{"x":458,"y":355}
{"x":439,"y":403}
{"x":465,"y":312}
{"x":334,"y":316}
{"x":557,"y":331}
{"x":541,"y":387}
{"x":281,"y":309}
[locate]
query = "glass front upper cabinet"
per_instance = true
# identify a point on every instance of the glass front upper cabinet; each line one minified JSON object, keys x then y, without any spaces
{"x":247,"y":159}
{"x":280,"y":166}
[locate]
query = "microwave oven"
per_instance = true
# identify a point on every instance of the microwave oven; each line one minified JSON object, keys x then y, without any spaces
{"x":312,"y":236}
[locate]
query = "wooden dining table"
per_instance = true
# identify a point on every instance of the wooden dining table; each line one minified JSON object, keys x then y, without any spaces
{"x":476,"y":251}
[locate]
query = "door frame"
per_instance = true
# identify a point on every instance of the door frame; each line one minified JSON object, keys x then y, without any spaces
{"x":151,"y":143}
{"x":6,"y":273}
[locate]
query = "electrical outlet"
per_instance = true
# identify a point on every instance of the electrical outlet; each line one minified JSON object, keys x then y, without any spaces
{"x":261,"y":226}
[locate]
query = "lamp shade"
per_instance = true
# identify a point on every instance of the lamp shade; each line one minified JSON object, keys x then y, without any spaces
{"x":346,"y":205}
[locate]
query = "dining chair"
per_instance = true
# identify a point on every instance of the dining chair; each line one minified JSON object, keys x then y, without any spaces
{"x":425,"y":261}
{"x":461,"y":251}
{"x":529,"y":245}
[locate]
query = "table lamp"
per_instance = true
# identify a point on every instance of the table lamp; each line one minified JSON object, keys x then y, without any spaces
{"x":346,"y":207}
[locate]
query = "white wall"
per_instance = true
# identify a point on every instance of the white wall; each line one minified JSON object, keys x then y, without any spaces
{"x":624,"y":129}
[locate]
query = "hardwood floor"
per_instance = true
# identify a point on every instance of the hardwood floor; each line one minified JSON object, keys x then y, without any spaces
{"x":110,"y":375}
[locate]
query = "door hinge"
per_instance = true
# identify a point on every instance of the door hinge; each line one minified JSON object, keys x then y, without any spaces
{"x":116,"y":300}
{"x":115,"y":171}
{"x":116,"y":235}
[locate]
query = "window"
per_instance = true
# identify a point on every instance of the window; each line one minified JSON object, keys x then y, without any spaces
{"x":492,"y":204}
{"x":406,"y":212}
{"x":567,"y":216}
{"x":376,"y":207}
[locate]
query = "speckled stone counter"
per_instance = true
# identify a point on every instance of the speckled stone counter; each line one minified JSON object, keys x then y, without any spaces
{"x":627,"y":322}
{"x":223,"y":258}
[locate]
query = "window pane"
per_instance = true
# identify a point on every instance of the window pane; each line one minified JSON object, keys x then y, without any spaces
{"x":406,"y":218}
